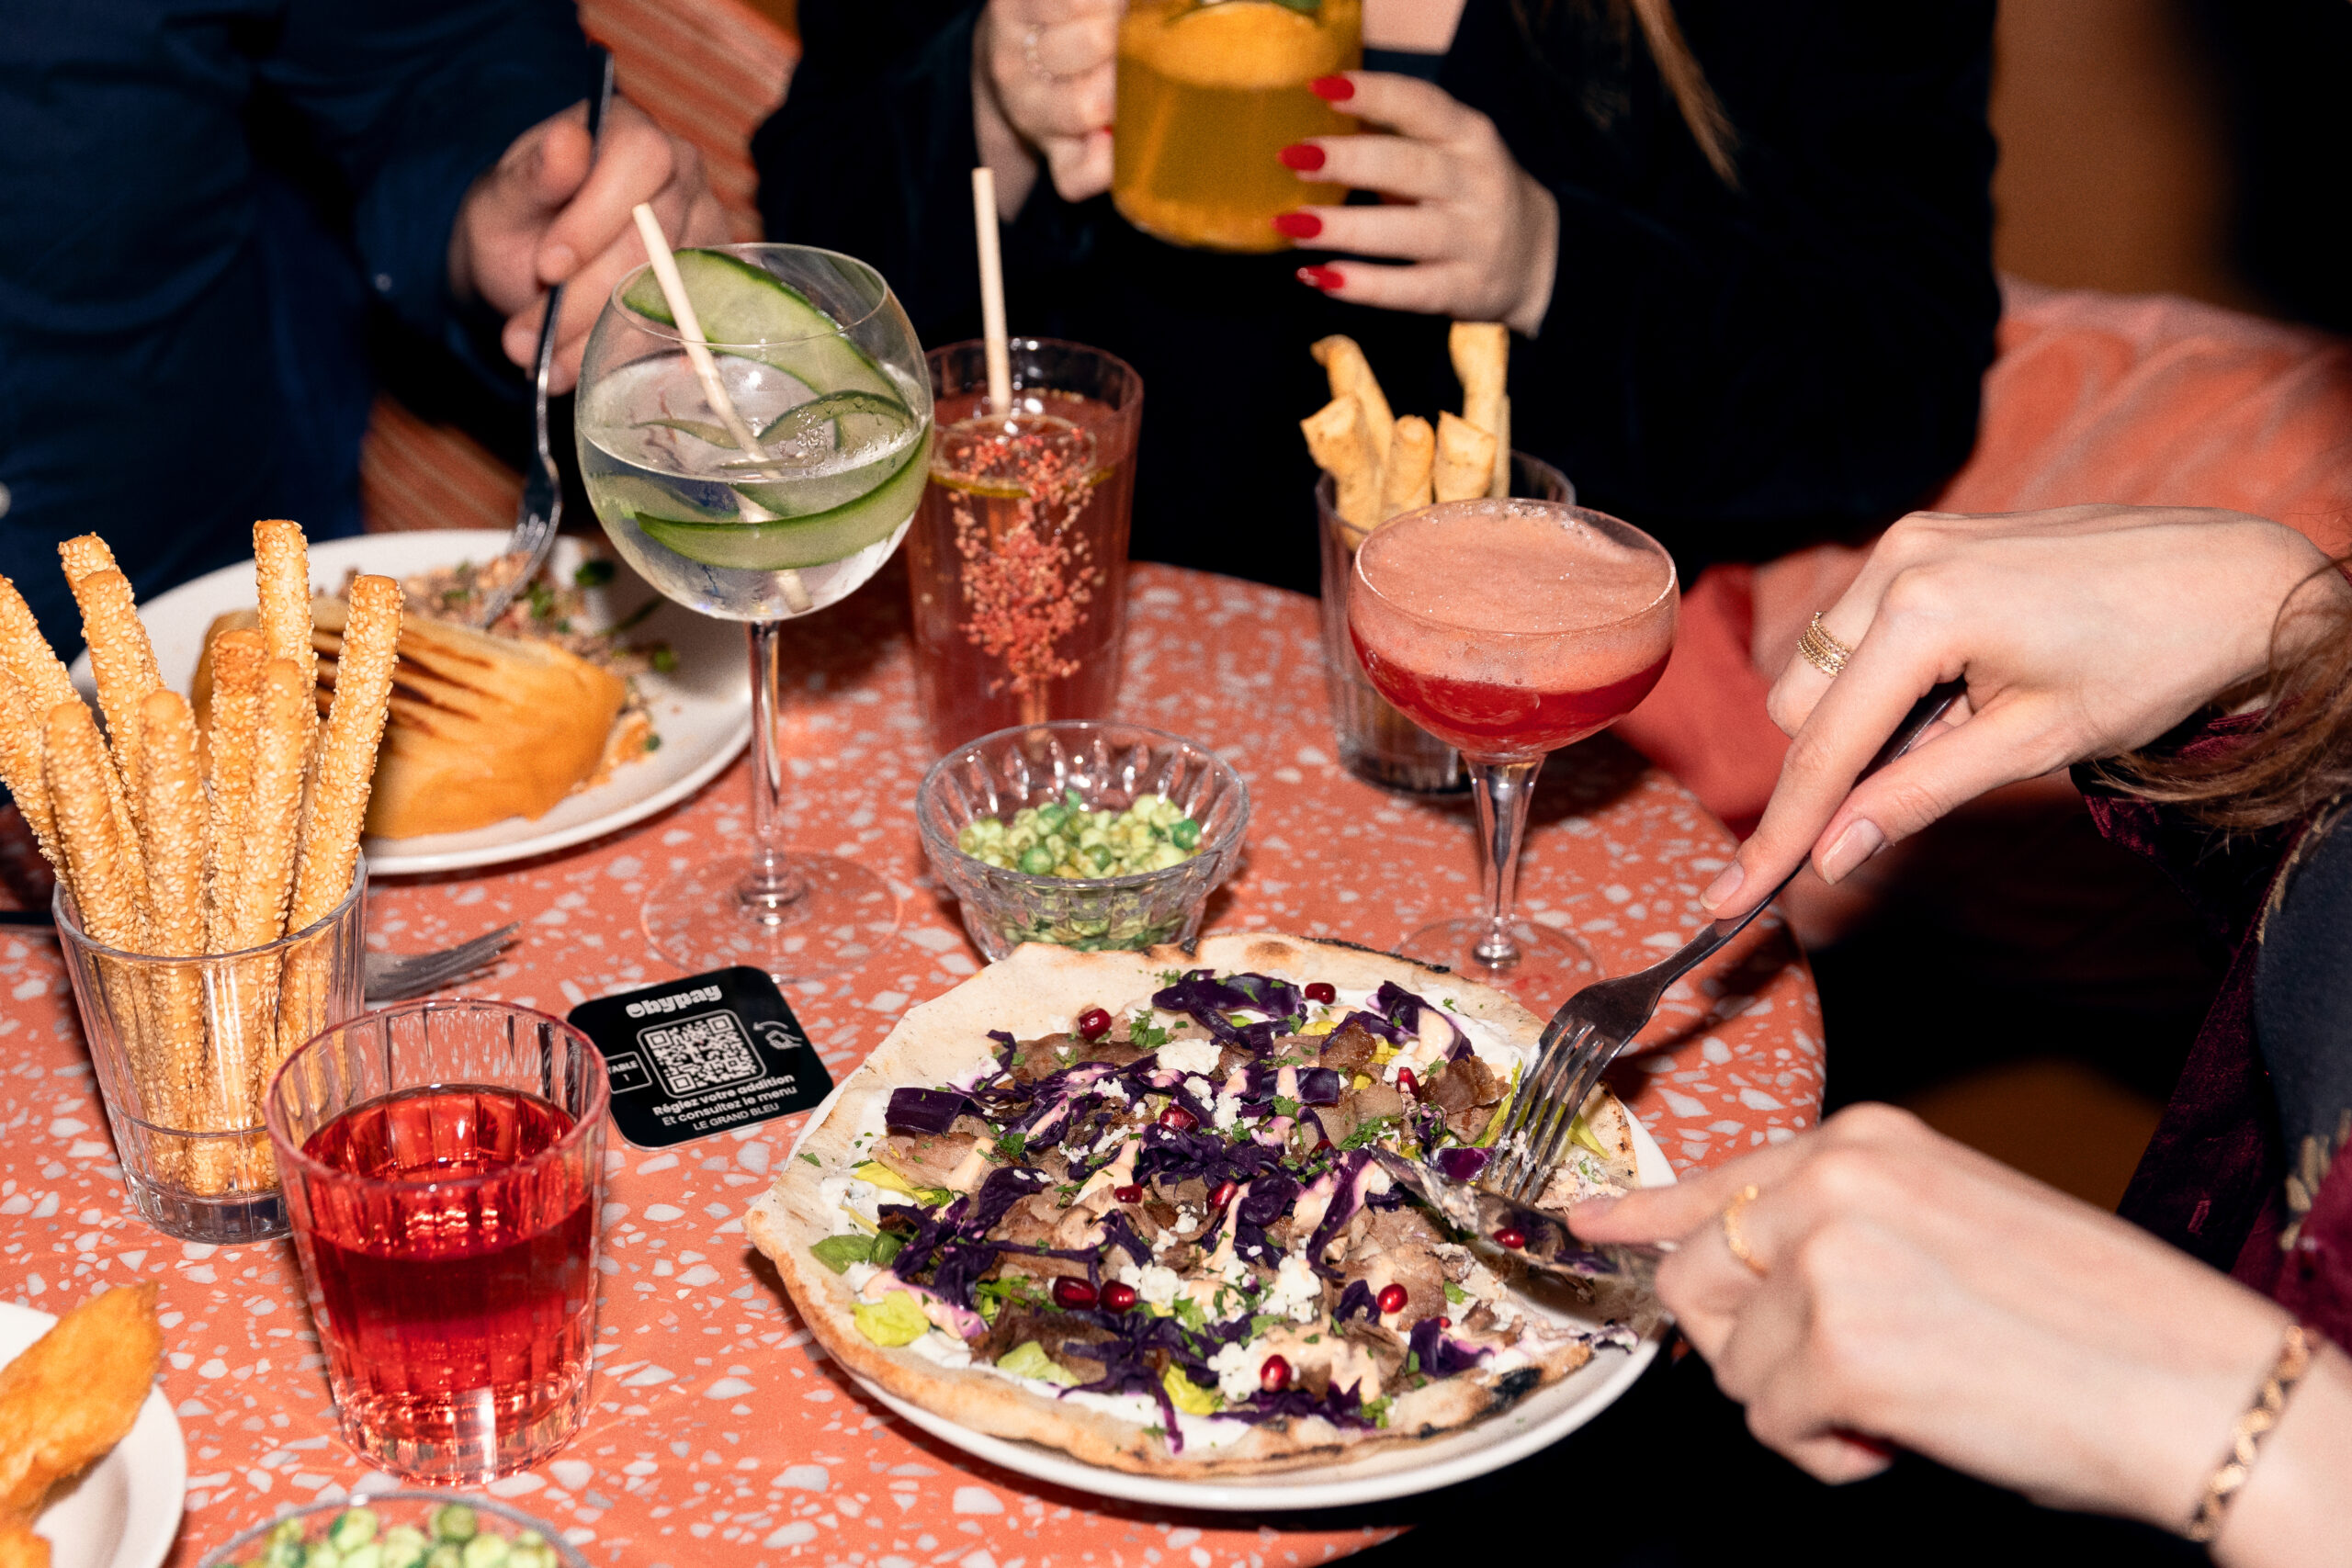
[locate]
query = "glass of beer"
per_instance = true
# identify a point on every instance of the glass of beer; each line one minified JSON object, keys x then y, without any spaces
{"x":1209,"y":94}
{"x":1017,"y":562}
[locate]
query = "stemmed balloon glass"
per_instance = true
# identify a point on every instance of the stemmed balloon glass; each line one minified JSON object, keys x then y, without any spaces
{"x":1509,"y":629}
{"x":762,"y":482}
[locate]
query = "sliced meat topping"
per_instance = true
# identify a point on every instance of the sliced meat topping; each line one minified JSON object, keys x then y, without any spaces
{"x":1060,"y":1335}
{"x":1386,"y":1349}
{"x":952,"y":1160}
{"x":1042,"y":1057}
{"x":1349,"y":1051}
{"x":1399,"y":1246}
{"x":1464,"y":1085}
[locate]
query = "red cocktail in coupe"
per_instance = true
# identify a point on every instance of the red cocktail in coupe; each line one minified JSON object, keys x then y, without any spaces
{"x":1510,"y":629}
{"x":442,"y":1165}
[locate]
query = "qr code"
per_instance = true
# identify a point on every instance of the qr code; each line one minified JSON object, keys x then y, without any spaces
{"x":704,"y":1052}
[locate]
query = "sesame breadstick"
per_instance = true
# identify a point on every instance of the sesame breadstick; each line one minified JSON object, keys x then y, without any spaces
{"x":42,"y":683}
{"x":282,"y":732}
{"x":22,"y":769}
{"x":83,"y":555}
{"x":237,"y":658}
{"x":123,"y":660}
{"x":363,"y":691}
{"x":171,"y":808}
{"x":282,"y":579}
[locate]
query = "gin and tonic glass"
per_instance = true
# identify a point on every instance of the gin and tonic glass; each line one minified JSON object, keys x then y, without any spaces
{"x":827,"y":386}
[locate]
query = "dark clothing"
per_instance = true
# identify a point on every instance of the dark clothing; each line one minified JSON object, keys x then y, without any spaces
{"x":202,"y":200}
{"x":2271,"y":1060}
{"x":1741,"y":373}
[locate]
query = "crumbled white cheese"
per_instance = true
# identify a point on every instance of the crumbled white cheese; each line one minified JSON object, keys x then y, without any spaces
{"x":1297,"y":1291}
{"x":1111,"y":1089}
{"x":1226,"y":1112}
{"x":1186,"y":1223}
{"x":1199,"y":1089}
{"x":1194,"y":1055}
{"x":1237,"y":1372}
{"x":1152,"y":1284}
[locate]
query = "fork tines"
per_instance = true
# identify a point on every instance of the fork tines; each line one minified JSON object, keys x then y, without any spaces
{"x":1537,"y":1131}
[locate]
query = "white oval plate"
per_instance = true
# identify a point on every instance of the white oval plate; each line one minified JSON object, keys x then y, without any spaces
{"x":125,"y":1511}
{"x":1536,"y":1422}
{"x":702,"y":709}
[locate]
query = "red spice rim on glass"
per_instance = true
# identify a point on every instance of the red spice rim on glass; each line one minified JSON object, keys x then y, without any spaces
{"x":599,"y":1102}
{"x":1555,"y":508}
{"x":68,"y":916}
{"x":749,"y":251}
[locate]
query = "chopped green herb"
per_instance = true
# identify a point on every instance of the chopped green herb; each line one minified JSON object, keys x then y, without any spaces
{"x":1284,"y":1106}
{"x":1315,"y":1339}
{"x":1260,"y":1321}
{"x":1188,"y":1313}
{"x":1170,"y":976}
{"x":887,"y":1246}
{"x":1011,"y":1146}
{"x":593,"y":572}
{"x":1377,"y":1410}
{"x":1145,"y":1034}
{"x":1370,"y":1132}
{"x":812,"y":1159}
{"x":1455,"y":1293}
{"x":662,"y":657}
{"x":1412,"y":1363}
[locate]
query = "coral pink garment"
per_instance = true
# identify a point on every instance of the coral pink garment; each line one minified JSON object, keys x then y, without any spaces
{"x":2137,"y":400}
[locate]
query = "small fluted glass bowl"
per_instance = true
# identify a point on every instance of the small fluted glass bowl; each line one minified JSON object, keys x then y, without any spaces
{"x":311,"y":1535}
{"x":1109,"y":765}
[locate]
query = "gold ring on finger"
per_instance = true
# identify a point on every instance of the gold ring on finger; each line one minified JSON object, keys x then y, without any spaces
{"x":1821,"y":650}
{"x":1732,"y":1237}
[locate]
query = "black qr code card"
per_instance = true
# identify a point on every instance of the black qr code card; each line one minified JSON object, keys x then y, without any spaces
{"x":701,"y":1055}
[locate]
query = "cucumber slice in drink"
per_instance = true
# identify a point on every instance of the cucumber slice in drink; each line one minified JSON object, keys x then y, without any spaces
{"x":812,"y":539}
{"x":744,"y":305}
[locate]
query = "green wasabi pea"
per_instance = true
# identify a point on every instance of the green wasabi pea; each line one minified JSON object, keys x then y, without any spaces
{"x":487,"y":1551}
{"x":1065,"y":840}
{"x":447,"y":1554}
{"x":353,"y":1528}
{"x":406,"y":1547}
{"x":455,"y":1521}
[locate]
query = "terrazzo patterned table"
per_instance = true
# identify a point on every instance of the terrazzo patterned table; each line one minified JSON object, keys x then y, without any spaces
{"x":719,"y":1435}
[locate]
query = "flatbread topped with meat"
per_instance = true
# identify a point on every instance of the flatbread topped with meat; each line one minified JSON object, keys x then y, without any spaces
{"x":1126,"y":1205}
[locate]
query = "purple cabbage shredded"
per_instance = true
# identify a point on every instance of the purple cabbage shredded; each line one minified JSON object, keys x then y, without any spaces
{"x":1207,"y":1000}
{"x":924,"y":1110}
{"x":1459,"y":1162}
{"x":1341,"y":1406}
{"x":1396,"y":1018}
{"x":1356,"y":1298}
{"x":1319,"y":1085}
{"x":1120,"y":1232}
{"x":1344,"y":1200}
{"x":1441,"y":1355}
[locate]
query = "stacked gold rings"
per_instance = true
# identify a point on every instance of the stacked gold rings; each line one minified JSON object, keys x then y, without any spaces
{"x":1821,"y":650}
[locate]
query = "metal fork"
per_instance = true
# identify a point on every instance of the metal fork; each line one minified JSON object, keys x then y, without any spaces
{"x":542,"y":505}
{"x":392,"y":976}
{"x":1595,"y":1024}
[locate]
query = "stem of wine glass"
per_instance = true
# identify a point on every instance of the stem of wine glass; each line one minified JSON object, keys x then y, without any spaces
{"x":1502,"y":791}
{"x":771,"y":884}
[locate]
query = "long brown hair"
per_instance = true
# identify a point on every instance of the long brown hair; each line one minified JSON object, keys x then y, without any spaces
{"x":2298,"y":757}
{"x":1677,"y":68}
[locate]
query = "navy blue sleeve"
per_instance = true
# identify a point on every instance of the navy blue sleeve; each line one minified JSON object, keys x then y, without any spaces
{"x":409,"y":101}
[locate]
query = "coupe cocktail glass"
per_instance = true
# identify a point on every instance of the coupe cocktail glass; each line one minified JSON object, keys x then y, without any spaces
{"x":828,"y":382}
{"x":1509,"y":629}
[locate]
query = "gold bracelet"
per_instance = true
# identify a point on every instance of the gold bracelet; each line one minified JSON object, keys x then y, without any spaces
{"x":2247,"y":1432}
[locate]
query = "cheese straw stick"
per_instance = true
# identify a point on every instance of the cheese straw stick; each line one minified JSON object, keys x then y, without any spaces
{"x":123,"y":660}
{"x":1405,"y":482}
{"x":363,"y":691}
{"x":1350,"y":374}
{"x":1341,"y":442}
{"x":83,"y":555}
{"x":1481,"y":351}
{"x":1465,"y":459}
{"x":171,"y":807}
{"x":237,"y":658}
{"x":283,"y":725}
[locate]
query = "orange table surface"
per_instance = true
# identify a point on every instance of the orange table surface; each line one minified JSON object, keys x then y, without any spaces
{"x":719,"y":1434}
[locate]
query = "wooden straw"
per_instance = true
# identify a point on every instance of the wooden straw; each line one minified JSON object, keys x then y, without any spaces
{"x":993,"y":332}
{"x":713,"y":390}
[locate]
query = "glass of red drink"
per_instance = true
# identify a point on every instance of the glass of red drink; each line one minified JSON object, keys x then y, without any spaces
{"x":444,"y":1166}
{"x":1017,"y":563}
{"x":1509,"y":629}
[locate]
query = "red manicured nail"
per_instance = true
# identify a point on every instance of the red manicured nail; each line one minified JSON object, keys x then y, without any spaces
{"x":1327,"y":278}
{"x":1298,"y":225}
{"x":1303,"y":156}
{"x":1336,"y":89}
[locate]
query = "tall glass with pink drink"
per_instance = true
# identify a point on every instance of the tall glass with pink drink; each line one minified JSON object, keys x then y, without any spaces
{"x":1510,"y":629}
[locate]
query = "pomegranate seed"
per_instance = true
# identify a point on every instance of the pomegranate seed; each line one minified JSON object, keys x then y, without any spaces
{"x":1322,"y":991}
{"x":1073,"y":1293}
{"x":1512,"y":1237}
{"x":1131,"y":1193}
{"x":1323,"y":1146}
{"x":1118,"y":1298}
{"x":1273,"y":1374}
{"x":1179,"y":1118}
{"x":1094,"y":1023}
{"x":1408,"y":1082}
{"x":1443,"y":1321}
{"x":1221,"y":1194}
{"x":1392,"y":1299}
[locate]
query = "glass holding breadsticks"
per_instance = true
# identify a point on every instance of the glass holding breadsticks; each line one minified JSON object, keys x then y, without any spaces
{"x":209,"y":889}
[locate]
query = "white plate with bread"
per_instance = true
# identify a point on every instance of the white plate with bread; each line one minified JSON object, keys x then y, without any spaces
{"x":501,"y":732}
